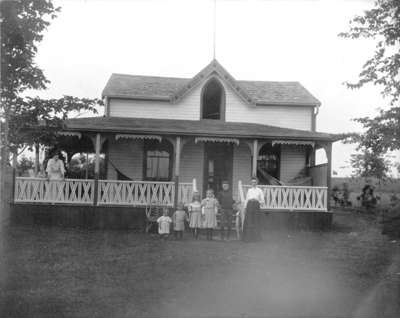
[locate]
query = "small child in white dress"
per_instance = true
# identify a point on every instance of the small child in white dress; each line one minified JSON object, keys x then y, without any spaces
{"x":164,"y":224}
{"x":209,"y":207}
{"x":195,"y":215}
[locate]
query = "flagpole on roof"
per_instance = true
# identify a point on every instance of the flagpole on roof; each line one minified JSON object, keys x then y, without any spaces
{"x":214,"y":27}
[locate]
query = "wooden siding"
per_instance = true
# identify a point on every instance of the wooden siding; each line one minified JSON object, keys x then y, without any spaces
{"x":127,"y":156}
{"x":293,"y":160}
{"x":294,"y":117}
{"x":187,"y":109}
{"x":192,"y":158}
{"x":237,"y":110}
{"x":241,"y":166}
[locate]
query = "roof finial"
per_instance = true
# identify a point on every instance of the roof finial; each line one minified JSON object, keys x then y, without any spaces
{"x":214,"y":27}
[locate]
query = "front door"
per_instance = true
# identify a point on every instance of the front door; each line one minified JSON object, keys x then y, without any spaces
{"x":218,"y":163}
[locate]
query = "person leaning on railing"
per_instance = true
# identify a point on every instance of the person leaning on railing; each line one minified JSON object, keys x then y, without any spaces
{"x":55,"y":168}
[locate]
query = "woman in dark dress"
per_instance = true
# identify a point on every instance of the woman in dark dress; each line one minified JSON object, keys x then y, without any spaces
{"x":254,"y":198}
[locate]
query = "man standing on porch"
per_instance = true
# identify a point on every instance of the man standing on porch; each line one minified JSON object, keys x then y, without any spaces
{"x":254,"y":198}
{"x":226,"y":203}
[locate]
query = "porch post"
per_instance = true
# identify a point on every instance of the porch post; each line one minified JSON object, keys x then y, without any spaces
{"x":177,"y":168}
{"x":328,"y":151}
{"x":14,"y":174}
{"x":96,"y":168}
{"x":255,"y":157}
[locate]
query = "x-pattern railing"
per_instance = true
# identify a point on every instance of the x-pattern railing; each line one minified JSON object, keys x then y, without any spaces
{"x":290,"y":197}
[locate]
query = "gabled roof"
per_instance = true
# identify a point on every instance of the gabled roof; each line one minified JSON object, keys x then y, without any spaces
{"x":173,"y":89}
{"x":214,"y":128}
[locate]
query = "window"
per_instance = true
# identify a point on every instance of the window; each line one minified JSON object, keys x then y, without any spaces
{"x":158,"y":160}
{"x":213,"y":100}
{"x":268,"y":163}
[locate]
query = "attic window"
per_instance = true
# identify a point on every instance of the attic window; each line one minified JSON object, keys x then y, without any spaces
{"x":213,"y":100}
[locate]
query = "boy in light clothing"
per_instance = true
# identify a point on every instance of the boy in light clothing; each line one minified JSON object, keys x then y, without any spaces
{"x":164,"y":223}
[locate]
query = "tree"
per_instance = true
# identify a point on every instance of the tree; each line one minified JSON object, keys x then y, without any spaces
{"x":22,"y":26}
{"x":30,"y":121}
{"x":369,"y":164}
{"x":24,"y":165}
{"x":381,"y":23}
{"x":38,"y":121}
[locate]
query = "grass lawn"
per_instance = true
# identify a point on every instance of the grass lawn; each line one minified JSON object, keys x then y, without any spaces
{"x":52,"y":272}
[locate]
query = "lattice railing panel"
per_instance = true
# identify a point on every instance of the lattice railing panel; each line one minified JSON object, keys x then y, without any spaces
{"x":42,"y":190}
{"x":291,"y":197}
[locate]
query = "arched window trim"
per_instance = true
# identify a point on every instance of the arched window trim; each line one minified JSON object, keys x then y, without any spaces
{"x":223,"y":102}
{"x":154,"y":145}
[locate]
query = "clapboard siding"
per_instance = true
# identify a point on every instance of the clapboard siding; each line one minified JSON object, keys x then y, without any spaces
{"x":294,"y":117}
{"x":241,"y":166}
{"x":237,"y":110}
{"x":187,"y":109}
{"x":127,"y":156}
{"x":192,"y":158}
{"x":293,"y":160}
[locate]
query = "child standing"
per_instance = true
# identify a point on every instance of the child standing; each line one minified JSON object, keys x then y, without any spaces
{"x":209,"y":210}
{"x":195,"y":215}
{"x":179,"y":217}
{"x":164,"y":222}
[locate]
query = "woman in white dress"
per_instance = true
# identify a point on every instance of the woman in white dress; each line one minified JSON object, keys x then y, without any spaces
{"x":55,"y":172}
{"x":55,"y":168}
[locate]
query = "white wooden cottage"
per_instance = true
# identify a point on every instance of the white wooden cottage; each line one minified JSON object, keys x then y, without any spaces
{"x":166,"y":136}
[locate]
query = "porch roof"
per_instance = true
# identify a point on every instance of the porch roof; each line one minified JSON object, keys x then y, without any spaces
{"x":214,"y":128}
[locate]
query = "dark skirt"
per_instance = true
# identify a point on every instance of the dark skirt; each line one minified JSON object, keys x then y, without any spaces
{"x":251,"y":230}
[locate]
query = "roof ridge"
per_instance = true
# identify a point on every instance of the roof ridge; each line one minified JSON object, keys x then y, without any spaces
{"x":259,"y":81}
{"x":188,"y":78}
{"x":152,"y":76}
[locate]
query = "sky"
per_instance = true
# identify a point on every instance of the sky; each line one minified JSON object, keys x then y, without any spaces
{"x":282,"y":40}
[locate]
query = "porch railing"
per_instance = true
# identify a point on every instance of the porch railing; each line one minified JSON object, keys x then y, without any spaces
{"x":186,"y":191}
{"x":137,"y":193}
{"x":292,"y":198}
{"x":63,"y":191}
{"x":110,"y":192}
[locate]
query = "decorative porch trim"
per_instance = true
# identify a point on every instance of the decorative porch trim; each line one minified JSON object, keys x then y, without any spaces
{"x":70,"y":133}
{"x":212,"y":139}
{"x":129,"y":136}
{"x":294,"y":142}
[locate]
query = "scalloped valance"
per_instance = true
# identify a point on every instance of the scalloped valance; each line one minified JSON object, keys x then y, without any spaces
{"x":131,"y":136}
{"x":294,"y":142}
{"x":70,"y":134}
{"x":212,"y":139}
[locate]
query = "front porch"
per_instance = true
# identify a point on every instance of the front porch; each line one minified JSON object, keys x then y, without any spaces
{"x":162,"y":162}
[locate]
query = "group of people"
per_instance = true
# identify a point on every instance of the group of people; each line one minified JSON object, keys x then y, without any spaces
{"x":201,"y":215}
{"x":341,"y":196}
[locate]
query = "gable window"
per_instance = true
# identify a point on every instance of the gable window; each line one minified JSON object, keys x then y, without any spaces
{"x":158,"y":160}
{"x":213,"y":100}
{"x":268,"y":163}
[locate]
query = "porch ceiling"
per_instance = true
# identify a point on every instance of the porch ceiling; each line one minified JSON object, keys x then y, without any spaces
{"x":214,"y":128}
